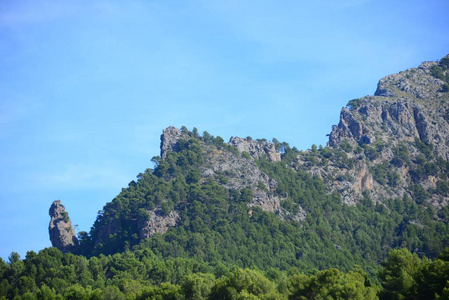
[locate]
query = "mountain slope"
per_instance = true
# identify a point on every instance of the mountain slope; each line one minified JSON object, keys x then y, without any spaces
{"x":381,"y":183}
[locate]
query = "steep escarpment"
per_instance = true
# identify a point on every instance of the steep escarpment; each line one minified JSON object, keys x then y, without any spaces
{"x":394,"y":143}
{"x":411,"y":104}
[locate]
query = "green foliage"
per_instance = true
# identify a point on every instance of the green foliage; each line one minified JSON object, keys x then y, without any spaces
{"x":398,"y":274}
{"x":197,"y":286}
{"x":393,"y":178}
{"x":346,"y":146}
{"x":425,"y":148}
{"x":244,"y":284}
{"x":437,"y":72}
{"x":442,"y":188}
{"x":246,"y":155}
{"x":445,"y":88}
{"x":406,"y":276}
{"x":331,"y":284}
{"x":401,"y":155}
{"x":373,"y":151}
{"x":380,"y":172}
{"x":354,"y":104}
{"x":262,"y":186}
{"x":445,"y":62}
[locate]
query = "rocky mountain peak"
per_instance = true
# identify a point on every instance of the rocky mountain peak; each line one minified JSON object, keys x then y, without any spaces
{"x":386,"y":135}
{"x":400,"y":109}
{"x":169,"y":139}
{"x":62,"y":234}
{"x":420,"y":83}
{"x":255,"y":148}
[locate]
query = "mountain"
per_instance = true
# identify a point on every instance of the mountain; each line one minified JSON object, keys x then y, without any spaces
{"x":380,"y":183}
{"x":366,"y":217}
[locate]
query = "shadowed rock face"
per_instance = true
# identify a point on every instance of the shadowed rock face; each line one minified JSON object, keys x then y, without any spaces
{"x":62,"y":234}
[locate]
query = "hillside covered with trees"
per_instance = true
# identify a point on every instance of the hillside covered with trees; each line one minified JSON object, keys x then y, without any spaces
{"x":366,"y":216}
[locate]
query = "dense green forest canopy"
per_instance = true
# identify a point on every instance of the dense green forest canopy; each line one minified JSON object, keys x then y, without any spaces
{"x":141,"y":274}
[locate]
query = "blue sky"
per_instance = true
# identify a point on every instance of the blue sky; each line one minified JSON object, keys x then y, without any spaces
{"x":86,"y":87}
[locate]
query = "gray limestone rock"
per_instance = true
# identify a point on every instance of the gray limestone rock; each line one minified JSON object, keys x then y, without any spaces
{"x":62,"y":234}
{"x":157,"y":222}
{"x":256,"y":148}
{"x":406,"y":107}
{"x":169,"y":140}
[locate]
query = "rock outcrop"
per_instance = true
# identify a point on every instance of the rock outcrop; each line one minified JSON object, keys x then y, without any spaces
{"x":408,"y":105}
{"x":169,"y":140}
{"x":386,"y":133}
{"x":239,"y":171}
{"x":157,"y":222}
{"x":236,"y":172}
{"x":256,"y":148}
{"x":62,"y":234}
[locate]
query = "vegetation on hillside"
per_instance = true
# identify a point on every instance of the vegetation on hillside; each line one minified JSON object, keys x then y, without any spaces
{"x":141,"y":274}
{"x":216,"y":223}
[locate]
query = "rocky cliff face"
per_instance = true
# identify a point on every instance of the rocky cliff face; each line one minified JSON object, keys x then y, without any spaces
{"x":408,"y":105}
{"x":169,"y":140}
{"x":62,"y":234}
{"x":391,"y":132}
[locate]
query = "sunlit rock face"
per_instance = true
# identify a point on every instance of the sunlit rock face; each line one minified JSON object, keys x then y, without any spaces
{"x":62,"y":234}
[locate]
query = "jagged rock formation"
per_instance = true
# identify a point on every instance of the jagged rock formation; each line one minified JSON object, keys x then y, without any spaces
{"x":239,"y":171}
{"x":408,"y":109}
{"x":62,"y":234}
{"x":169,"y":139}
{"x":405,"y":106}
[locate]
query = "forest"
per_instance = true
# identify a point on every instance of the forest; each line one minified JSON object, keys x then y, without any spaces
{"x":141,"y":274}
{"x":222,"y":248}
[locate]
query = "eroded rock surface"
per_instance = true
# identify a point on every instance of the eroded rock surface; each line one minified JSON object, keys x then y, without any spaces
{"x":157,"y":222}
{"x":407,"y":109}
{"x":256,"y":148}
{"x":169,"y":140}
{"x":62,"y":234}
